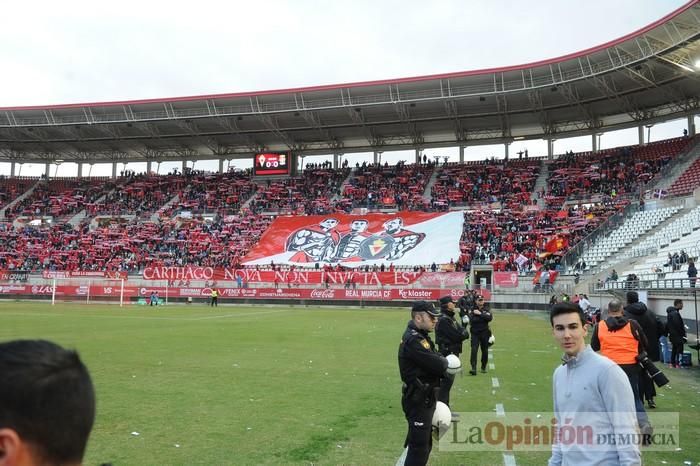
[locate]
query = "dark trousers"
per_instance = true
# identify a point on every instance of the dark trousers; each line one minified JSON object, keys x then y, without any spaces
{"x":215,"y":301}
{"x":480,"y":340}
{"x":633,"y":372}
{"x":445,"y":385}
{"x":647,"y":390}
{"x":676,"y":353}
{"x":419,"y":415}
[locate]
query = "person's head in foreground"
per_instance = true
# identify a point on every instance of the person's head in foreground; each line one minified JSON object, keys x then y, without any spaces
{"x":424,"y":315}
{"x":569,"y":327}
{"x":47,"y":404}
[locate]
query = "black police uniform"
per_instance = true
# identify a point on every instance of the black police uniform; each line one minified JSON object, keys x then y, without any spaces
{"x":480,"y":337}
{"x":421,"y":368}
{"x":449,"y":337}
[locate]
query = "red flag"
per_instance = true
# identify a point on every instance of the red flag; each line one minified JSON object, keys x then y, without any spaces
{"x":556,"y":243}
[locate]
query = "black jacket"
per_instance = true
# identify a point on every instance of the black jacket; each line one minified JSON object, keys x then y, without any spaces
{"x":638,"y":311}
{"x":480,"y":323}
{"x":419,"y":364}
{"x":448,"y":335}
{"x":675,"y":326}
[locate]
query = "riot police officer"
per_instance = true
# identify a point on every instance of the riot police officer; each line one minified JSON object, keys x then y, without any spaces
{"x":449,"y":337}
{"x":479,"y":319}
{"x":421,"y":368}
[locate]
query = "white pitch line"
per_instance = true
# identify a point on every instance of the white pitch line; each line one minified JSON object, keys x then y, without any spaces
{"x":494,"y":382}
{"x":402,"y":458}
{"x":509,"y":459}
{"x":492,"y":366}
{"x":500,"y":411}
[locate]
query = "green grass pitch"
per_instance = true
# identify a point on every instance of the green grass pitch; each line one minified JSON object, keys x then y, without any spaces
{"x":289,"y":385}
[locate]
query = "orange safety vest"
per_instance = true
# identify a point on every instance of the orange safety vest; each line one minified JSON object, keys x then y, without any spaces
{"x":620,"y":346}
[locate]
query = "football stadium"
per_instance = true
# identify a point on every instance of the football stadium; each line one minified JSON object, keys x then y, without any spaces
{"x":251,"y":313}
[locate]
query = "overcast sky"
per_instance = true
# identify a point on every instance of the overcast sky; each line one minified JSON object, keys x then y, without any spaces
{"x":87,"y":51}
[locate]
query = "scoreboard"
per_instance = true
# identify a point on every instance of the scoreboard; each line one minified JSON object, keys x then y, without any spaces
{"x":271,"y":163}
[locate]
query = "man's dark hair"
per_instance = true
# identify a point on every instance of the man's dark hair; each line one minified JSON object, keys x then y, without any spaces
{"x":677,"y":302}
{"x":566,"y":308}
{"x":47,"y":397}
{"x":632,"y":297}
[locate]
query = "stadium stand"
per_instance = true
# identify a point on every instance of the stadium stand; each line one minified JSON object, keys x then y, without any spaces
{"x":613,"y":172}
{"x":509,"y":183}
{"x":311,"y":193}
{"x":662,"y":251}
{"x":387,"y":187}
{"x":12,"y":188}
{"x":135,"y":221}
{"x":633,"y":227}
{"x":59,"y":198}
{"x":687,"y":182}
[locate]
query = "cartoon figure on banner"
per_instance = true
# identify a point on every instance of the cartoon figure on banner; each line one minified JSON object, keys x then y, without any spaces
{"x":392,"y":243}
{"x":315,"y":243}
{"x":349,"y":245}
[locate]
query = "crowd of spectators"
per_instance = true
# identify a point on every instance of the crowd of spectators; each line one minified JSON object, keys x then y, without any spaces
{"x":584,"y":190}
{"x":58,"y":198}
{"x":311,"y":194}
{"x":382,"y":186}
{"x":515,"y":240}
{"x":509,"y":183}
{"x":131,"y":245}
{"x":612,"y":172}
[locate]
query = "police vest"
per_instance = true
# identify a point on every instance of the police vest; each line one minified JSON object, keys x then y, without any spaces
{"x":620,"y":346}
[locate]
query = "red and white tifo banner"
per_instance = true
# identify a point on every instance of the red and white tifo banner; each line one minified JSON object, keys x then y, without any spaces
{"x":505,"y":279}
{"x":340,"y":294}
{"x":283,"y":276}
{"x":405,"y":238}
{"x":83,"y":273}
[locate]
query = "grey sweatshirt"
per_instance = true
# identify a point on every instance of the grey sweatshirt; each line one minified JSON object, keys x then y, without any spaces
{"x":591,"y":390}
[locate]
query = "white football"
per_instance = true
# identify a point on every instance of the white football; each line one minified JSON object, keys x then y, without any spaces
{"x":492,"y":340}
{"x":442,"y":418}
{"x":454,"y":365}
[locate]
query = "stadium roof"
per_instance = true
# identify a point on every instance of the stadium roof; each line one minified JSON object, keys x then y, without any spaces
{"x":647,"y":76}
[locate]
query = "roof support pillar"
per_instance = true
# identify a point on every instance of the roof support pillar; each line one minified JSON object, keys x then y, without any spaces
{"x":594,"y":143}
{"x":417,"y":156}
{"x":80,"y":169}
{"x":336,"y":160}
{"x":12,"y":169}
{"x":47,"y":170}
{"x":221,"y":165}
{"x":184,"y":165}
{"x":376,"y":157}
{"x":461,"y":154}
{"x":640,"y":131}
{"x":691,"y":125}
{"x":507,"y":144}
{"x":148,"y":167}
{"x":550,"y":149}
{"x":114,"y":170}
